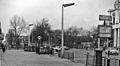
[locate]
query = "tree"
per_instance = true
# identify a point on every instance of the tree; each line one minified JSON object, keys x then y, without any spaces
{"x":55,"y":36}
{"x":93,"y":30}
{"x":42,"y":28}
{"x":18,"y":24}
{"x":10,"y":36}
{"x":73,"y":31}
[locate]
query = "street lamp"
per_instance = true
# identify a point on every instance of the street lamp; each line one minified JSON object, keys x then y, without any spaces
{"x":62,"y":24}
{"x":29,"y":33}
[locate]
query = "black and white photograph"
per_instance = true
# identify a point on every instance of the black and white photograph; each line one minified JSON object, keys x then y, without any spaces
{"x":59,"y":32}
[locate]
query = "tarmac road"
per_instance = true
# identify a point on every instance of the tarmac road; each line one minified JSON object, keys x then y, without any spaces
{"x":21,"y":58}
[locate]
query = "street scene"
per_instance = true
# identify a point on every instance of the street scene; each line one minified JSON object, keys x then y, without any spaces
{"x":59,"y":33}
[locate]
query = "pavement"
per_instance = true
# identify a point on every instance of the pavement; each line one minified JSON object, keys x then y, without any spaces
{"x":21,"y":58}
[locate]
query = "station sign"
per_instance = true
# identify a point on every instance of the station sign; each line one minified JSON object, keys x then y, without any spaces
{"x":104,"y":31}
{"x":105,"y":18}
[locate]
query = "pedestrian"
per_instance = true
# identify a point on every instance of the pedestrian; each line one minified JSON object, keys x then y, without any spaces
{"x":3,"y":48}
{"x":51,"y":51}
{"x":48,"y":49}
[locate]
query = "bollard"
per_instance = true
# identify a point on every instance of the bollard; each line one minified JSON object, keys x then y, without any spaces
{"x":108,"y":62}
{"x":93,"y":60}
{"x":119,"y":62}
{"x":86,"y":59}
{"x":68,"y":55}
{"x":98,"y":55}
{"x":104,"y":61}
{"x":115,"y":62}
{"x":59,"y":54}
{"x":72,"y":58}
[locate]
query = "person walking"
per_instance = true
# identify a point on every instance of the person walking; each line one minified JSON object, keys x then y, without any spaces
{"x":51,"y":51}
{"x":3,"y":48}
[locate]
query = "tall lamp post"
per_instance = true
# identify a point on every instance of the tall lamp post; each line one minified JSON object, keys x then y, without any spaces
{"x":62,"y":24}
{"x":29,"y":33}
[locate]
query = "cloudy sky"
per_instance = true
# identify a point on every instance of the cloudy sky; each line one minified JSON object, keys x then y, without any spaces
{"x":85,"y":13}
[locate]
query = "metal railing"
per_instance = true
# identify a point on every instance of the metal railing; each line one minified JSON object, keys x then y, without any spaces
{"x":90,"y":60}
{"x":67,"y":55}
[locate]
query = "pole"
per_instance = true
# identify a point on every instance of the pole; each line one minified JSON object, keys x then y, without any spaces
{"x":107,"y":42}
{"x":32,"y":37}
{"x":15,"y":36}
{"x":62,"y":27}
{"x":28,"y":36}
{"x":29,"y":33}
{"x":87,"y":59}
{"x":98,"y":56}
{"x":98,"y":42}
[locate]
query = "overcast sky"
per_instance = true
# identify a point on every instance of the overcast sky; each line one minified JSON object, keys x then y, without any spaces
{"x":85,"y":13}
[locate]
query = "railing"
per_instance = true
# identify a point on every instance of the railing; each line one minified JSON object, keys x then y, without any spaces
{"x":114,"y":62}
{"x":67,"y":55}
{"x":89,"y":60}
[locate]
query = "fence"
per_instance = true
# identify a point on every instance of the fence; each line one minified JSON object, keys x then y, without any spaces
{"x":114,"y":62}
{"x":69,"y":56}
{"x":90,"y":60}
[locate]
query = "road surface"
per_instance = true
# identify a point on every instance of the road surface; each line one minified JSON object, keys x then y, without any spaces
{"x":21,"y":58}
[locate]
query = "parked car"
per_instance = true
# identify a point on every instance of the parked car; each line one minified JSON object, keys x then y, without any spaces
{"x":112,"y":51}
{"x":41,"y":50}
{"x":56,"y":49}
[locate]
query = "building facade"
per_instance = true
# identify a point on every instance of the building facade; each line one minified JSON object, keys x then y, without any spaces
{"x":115,"y":13}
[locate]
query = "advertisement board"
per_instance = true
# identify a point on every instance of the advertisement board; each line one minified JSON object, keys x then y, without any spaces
{"x":104,"y":31}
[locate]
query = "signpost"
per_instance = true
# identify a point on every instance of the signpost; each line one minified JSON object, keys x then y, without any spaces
{"x":39,"y":40}
{"x":105,"y":18}
{"x":39,"y":37}
{"x":104,"y":31}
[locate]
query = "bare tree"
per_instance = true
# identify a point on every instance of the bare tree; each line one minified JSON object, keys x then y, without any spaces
{"x":18,"y":24}
{"x":73,"y":31}
{"x":42,"y":28}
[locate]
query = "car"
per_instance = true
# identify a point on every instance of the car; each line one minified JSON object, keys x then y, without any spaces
{"x":112,"y":51}
{"x":56,"y":49}
{"x":26,"y":48}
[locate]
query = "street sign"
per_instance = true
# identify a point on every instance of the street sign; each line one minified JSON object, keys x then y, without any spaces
{"x":104,"y":31}
{"x":104,"y":35}
{"x":39,"y":37}
{"x":105,"y":18}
